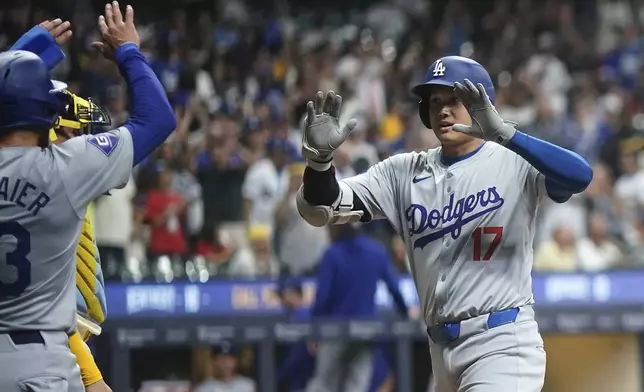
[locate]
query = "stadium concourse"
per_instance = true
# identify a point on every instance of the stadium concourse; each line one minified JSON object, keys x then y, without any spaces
{"x":212,"y":213}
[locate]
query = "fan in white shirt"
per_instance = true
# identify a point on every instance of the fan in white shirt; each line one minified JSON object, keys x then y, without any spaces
{"x":266,"y":182}
{"x":597,"y":252}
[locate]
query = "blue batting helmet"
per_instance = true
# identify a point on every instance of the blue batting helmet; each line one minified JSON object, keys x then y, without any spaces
{"x":28,"y":98}
{"x":445,"y":72}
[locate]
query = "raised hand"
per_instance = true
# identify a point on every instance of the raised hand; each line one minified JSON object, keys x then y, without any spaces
{"x":115,"y":29}
{"x":487,"y":124}
{"x":59,"y":29}
{"x":322,"y":131}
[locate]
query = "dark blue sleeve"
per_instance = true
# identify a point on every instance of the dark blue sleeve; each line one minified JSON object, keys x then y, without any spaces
{"x":152,"y":118}
{"x":40,"y":42}
{"x":390,"y":277}
{"x":566,"y":172}
{"x":324,"y":283}
{"x":297,"y":360}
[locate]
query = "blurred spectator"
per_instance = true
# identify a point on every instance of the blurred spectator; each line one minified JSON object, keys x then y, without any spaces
{"x":361,"y":153}
{"x":597,"y":252}
{"x":300,"y":244}
{"x":224,"y":377}
{"x":114,"y":219}
{"x":601,"y":200}
{"x":392,"y":127}
{"x":164,"y":209}
{"x":387,"y":20}
{"x":519,"y":105}
{"x":557,"y":254}
{"x":257,"y":261}
{"x":629,"y":191}
{"x":342,"y":163}
{"x":636,"y":256}
{"x":221,"y":173}
{"x":573,"y":215}
{"x":185,"y":184}
{"x":116,"y":105}
{"x":217,"y":248}
{"x":266,"y":182}
{"x":255,"y":137}
{"x":545,"y":71}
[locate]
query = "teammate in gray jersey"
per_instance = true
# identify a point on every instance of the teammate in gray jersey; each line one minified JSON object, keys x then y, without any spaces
{"x":44,"y":193}
{"x":466,"y":212}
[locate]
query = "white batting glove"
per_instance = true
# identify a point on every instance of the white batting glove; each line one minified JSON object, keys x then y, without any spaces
{"x":322,"y":132}
{"x":487,"y":124}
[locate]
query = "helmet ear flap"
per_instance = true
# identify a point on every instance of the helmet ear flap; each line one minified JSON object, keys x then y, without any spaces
{"x":423,"y":112}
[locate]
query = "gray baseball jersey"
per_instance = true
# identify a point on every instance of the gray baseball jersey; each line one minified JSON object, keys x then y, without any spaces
{"x":43,"y":198}
{"x":468,"y":227}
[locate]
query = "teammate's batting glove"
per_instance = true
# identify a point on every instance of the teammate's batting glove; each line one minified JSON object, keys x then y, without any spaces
{"x":322,"y":131}
{"x":487,"y":124}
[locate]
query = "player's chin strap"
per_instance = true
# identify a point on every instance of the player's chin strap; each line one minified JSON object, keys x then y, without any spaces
{"x":338,"y":213}
{"x":86,"y":328}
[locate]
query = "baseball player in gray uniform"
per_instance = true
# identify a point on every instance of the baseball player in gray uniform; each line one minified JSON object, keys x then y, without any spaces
{"x":44,"y":193}
{"x":466,"y":212}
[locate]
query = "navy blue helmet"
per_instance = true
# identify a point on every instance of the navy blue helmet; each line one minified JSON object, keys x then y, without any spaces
{"x":445,"y":72}
{"x":29,"y":99}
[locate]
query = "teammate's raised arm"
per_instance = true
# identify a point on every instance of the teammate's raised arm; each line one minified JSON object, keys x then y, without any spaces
{"x":45,"y":40}
{"x":152,"y":119}
{"x":92,"y":165}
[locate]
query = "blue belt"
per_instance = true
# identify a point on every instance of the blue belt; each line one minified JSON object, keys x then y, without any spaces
{"x":26,"y":337}
{"x":448,"y":332}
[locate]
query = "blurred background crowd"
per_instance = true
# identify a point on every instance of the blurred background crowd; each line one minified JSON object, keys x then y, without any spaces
{"x":218,"y":199}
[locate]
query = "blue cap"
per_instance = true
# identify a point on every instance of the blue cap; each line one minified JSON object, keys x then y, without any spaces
{"x":289,"y":284}
{"x":253,"y":124}
{"x":281,"y":144}
{"x":226,"y":348}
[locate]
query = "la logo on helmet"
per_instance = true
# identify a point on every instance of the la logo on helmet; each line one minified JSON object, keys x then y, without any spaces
{"x":439,"y":68}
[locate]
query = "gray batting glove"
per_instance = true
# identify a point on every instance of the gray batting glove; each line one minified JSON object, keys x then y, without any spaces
{"x":322,"y":132}
{"x":487,"y":124}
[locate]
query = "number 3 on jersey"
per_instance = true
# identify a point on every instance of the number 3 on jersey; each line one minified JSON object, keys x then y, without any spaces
{"x":17,"y":264}
{"x":486,"y":232}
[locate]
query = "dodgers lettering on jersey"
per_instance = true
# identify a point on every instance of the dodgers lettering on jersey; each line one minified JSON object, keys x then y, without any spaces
{"x":468,"y":227}
{"x":23,"y":194}
{"x":451,"y":217}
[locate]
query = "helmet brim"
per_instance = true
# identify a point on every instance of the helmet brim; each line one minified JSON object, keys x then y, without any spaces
{"x":422,"y":90}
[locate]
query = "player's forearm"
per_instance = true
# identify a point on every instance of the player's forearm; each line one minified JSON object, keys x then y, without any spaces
{"x":564,"y":169}
{"x":152,"y":119}
{"x":321,"y":188}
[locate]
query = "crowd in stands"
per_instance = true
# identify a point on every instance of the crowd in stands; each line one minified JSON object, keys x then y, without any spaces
{"x":218,"y":200}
